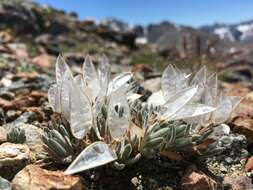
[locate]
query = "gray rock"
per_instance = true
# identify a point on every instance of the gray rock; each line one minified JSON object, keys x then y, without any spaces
{"x":232,"y":160}
{"x":152,"y":84}
{"x":239,"y":182}
{"x":33,"y":140}
{"x":4,"y":184}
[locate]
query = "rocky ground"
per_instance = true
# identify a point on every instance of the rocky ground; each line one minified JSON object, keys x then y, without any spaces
{"x":32,"y":36}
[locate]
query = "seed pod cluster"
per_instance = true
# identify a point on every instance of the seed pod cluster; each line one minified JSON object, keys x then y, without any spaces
{"x":119,"y":125}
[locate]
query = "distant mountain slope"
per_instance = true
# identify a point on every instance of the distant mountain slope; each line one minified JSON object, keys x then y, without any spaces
{"x":57,"y":31}
{"x":168,"y":35}
{"x":242,"y":32}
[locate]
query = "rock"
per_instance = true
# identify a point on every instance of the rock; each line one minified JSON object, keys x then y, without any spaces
{"x":14,"y":154}
{"x":232,"y":159}
{"x":19,"y":50}
{"x":42,"y":60}
{"x":114,"y":25}
{"x":5,"y":37}
{"x":33,"y":140}
{"x":235,"y":147}
{"x":29,"y":100}
{"x":249,"y":164}
{"x":194,"y":179}
{"x":3,"y":135}
{"x":24,"y":118}
{"x":152,"y":84}
{"x":13,"y":157}
{"x":43,"y":39}
{"x":32,"y":177}
{"x":143,"y":68}
{"x":2,"y":117}
{"x":244,"y":125}
{"x":4,"y":184}
{"x":7,"y":95}
{"x":19,"y":16}
{"x":10,"y":114}
{"x":117,"y":31}
{"x":238,"y":182}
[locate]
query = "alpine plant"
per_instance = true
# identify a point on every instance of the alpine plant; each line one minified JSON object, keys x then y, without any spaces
{"x":115,"y":126}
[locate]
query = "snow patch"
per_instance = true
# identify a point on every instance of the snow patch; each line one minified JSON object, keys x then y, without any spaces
{"x":224,"y":32}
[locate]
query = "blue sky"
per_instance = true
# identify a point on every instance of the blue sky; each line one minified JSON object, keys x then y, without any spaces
{"x":188,"y":12}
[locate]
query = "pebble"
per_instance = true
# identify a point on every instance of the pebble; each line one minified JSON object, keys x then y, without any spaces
{"x":32,"y":177}
{"x":239,"y":182}
{"x":194,"y":179}
{"x":13,"y":157}
{"x":14,"y":154}
{"x":33,"y":140}
{"x":249,"y":164}
{"x":4,"y":184}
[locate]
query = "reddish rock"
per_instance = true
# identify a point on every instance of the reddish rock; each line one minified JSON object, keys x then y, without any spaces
{"x":194,"y":179}
{"x":21,"y":53}
{"x":32,"y":177}
{"x":249,"y":164}
{"x":42,"y":60}
{"x":238,"y":182}
{"x":21,"y":103}
{"x":244,"y":125}
{"x":19,"y":50}
{"x":87,"y":22}
{"x":142,"y":68}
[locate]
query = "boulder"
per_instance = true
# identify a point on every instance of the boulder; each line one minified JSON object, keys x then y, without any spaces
{"x":32,"y":177}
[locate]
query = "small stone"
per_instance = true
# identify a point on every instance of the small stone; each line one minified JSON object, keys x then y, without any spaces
{"x":3,"y":135}
{"x":5,"y":37}
{"x":238,"y":182}
{"x":223,"y":168}
{"x":152,"y":84}
{"x":24,"y":118}
{"x":12,"y":114}
{"x":2,"y":117}
{"x":33,"y":140}
{"x":244,"y":125}
{"x":42,"y":60}
{"x":194,"y":179}
{"x":135,"y":181}
{"x":249,"y":164}
{"x":13,"y":157}
{"x":7,"y":95}
{"x":19,"y":50}
{"x":4,"y":184}
{"x":32,"y":177}
{"x":14,"y":154}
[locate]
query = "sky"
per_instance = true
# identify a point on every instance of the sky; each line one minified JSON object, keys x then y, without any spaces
{"x":187,"y":12}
